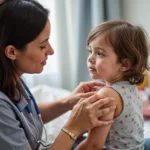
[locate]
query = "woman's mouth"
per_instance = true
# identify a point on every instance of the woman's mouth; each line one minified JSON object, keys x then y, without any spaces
{"x":43,"y":62}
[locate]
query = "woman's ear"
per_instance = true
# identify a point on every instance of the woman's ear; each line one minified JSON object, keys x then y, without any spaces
{"x":126,"y":65}
{"x":10,"y":52}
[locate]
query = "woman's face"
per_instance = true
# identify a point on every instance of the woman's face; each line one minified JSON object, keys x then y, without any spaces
{"x":33,"y":59}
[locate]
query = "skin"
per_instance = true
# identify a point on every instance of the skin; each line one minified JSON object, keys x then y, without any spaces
{"x":103,"y":64}
{"x":1,"y":1}
{"x":32,"y":60}
{"x":102,"y":61}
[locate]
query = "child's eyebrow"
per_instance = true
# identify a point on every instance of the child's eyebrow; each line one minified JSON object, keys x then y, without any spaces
{"x":96,"y":48}
{"x":99,"y":47}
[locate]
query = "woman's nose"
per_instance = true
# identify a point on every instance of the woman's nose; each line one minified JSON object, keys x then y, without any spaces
{"x":50,"y":50}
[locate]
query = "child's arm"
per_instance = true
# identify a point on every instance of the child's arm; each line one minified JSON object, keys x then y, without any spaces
{"x":97,"y":136}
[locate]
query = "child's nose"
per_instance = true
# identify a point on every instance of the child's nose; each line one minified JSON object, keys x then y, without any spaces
{"x":91,"y":58}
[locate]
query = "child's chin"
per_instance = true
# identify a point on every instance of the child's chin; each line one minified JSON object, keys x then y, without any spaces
{"x":94,"y":77}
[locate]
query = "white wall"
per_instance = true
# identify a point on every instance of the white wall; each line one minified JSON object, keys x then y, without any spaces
{"x":137,"y":12}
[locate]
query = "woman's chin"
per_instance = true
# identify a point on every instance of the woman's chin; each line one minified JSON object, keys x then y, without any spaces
{"x":38,"y":71}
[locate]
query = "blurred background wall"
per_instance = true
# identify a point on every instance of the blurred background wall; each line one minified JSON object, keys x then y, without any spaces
{"x":136,"y":12}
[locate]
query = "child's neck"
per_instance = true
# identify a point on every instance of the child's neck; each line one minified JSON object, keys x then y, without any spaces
{"x":113,"y":81}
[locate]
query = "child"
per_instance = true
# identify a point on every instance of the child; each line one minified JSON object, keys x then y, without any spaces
{"x":118,"y":54}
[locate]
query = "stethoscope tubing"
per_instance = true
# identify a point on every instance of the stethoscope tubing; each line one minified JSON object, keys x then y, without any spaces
{"x":29,"y":110}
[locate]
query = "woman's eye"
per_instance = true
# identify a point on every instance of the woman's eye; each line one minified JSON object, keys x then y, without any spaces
{"x":42,"y":47}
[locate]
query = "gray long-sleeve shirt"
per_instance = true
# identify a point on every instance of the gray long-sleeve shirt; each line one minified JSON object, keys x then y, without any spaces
{"x":15,"y":133}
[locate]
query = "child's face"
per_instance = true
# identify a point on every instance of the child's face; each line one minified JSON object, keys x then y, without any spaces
{"x":102,"y":61}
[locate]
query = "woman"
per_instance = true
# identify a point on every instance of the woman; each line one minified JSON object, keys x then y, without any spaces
{"x":24,"y":48}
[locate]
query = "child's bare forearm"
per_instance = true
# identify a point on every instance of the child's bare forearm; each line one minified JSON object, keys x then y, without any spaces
{"x":82,"y":145}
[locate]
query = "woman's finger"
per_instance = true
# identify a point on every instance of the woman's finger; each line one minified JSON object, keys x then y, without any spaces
{"x":82,"y":99}
{"x":85,"y":115}
{"x":104,"y":123}
{"x":104,"y":101}
{"x":100,"y":103}
{"x":95,"y":83}
{"x":83,"y":96}
{"x":94,"y":89}
{"x":103,"y":112}
{"x":93,"y":98}
{"x":97,"y":97}
{"x":86,"y":95}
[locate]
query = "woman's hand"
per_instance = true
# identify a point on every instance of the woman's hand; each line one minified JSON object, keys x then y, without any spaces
{"x":84,"y":90}
{"x":73,"y":99}
{"x":85,"y":87}
{"x":85,"y":114}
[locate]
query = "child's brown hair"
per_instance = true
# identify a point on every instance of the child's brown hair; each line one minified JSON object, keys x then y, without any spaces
{"x":128,"y":42}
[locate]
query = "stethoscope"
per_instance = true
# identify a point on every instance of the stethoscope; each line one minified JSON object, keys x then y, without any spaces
{"x":29,"y":110}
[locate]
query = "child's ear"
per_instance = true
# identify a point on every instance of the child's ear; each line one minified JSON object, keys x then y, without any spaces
{"x":126,"y":65}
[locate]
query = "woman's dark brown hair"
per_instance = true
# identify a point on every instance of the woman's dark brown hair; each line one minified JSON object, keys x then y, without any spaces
{"x":21,"y":21}
{"x":129,"y":42}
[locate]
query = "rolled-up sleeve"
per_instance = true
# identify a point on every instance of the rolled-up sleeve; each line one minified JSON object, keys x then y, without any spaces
{"x":12,"y":136}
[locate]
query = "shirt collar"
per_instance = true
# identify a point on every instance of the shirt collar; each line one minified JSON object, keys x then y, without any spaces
{"x":25,"y":98}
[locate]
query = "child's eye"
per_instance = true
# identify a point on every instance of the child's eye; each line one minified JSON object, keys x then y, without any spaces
{"x":100,"y":53}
